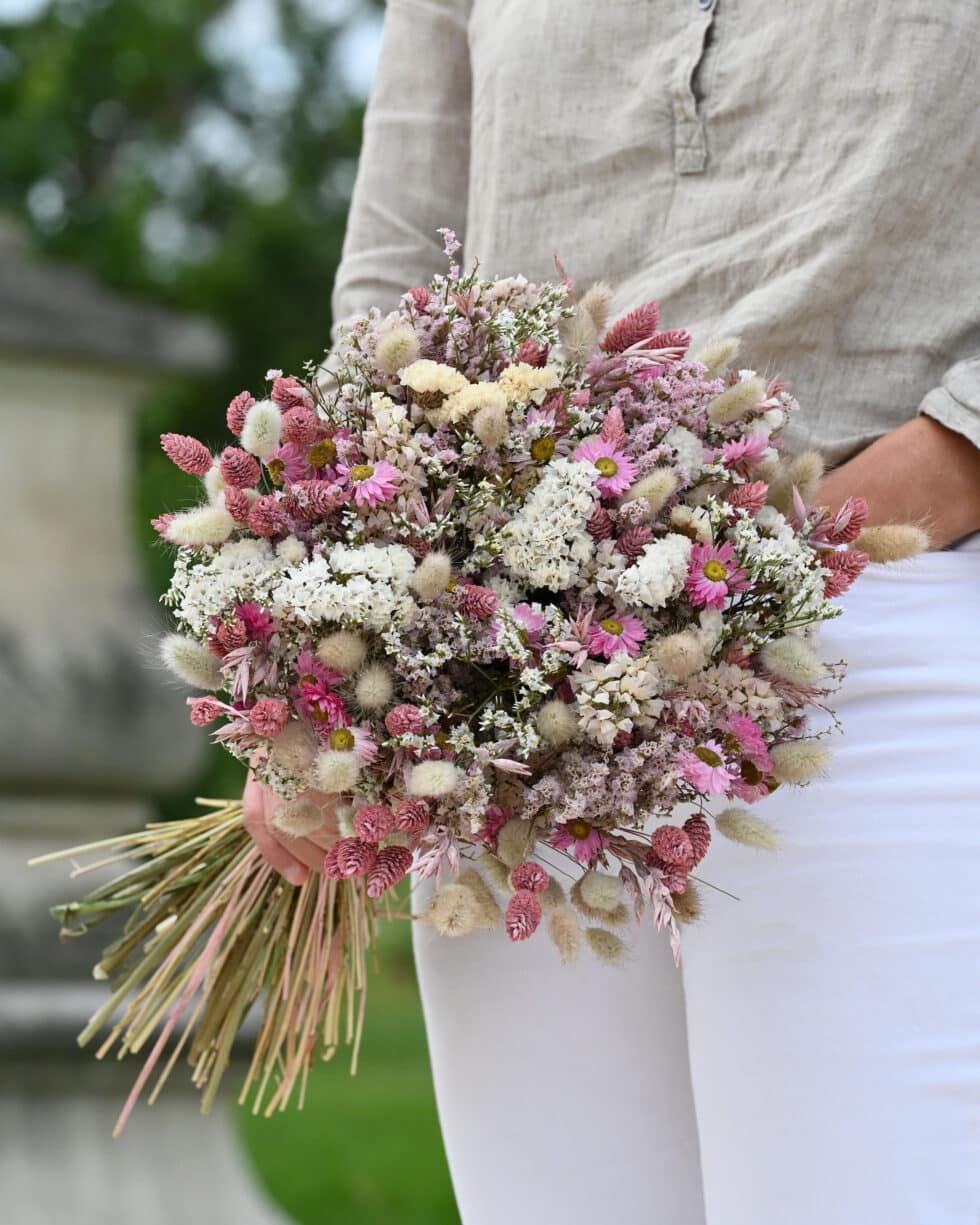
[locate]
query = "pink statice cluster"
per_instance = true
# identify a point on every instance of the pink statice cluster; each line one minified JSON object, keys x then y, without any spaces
{"x":518,"y":584}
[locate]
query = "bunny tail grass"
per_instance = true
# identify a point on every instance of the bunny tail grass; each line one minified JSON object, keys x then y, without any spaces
{"x":211,"y":929}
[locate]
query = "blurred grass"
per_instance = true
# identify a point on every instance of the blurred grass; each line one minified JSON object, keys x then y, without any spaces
{"x":364,"y":1150}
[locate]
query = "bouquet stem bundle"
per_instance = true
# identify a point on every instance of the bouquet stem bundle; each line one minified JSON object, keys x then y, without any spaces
{"x":212,"y":928}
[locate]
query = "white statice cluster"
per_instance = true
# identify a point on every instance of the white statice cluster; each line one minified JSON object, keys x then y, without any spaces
{"x":772,"y":551}
{"x":546,"y":543}
{"x":603,"y":571}
{"x":206,"y":582}
{"x":617,"y":695}
{"x":728,"y":685}
{"x":687,"y":447}
{"x":364,"y":586}
{"x":658,"y":574}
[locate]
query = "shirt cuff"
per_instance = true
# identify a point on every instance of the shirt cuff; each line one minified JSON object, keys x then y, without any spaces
{"x":955,"y":403}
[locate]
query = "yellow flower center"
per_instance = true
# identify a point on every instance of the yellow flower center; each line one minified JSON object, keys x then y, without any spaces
{"x":275,"y":469}
{"x":611,"y":626}
{"x":322,"y":453}
{"x":342,"y":738}
{"x":441,"y":739}
{"x":542,"y":449}
{"x":361,"y":472}
{"x":715,"y":571}
{"x":708,"y":756}
{"x":579,"y":829}
{"x":606,"y":465}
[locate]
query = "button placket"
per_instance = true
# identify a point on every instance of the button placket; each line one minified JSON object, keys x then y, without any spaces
{"x":690,"y":141}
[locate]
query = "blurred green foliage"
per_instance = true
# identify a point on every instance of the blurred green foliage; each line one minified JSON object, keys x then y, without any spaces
{"x":199,"y":154}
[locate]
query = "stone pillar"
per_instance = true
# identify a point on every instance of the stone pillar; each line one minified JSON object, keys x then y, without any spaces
{"x":91,"y":728}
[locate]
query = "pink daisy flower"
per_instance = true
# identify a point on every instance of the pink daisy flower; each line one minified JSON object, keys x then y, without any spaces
{"x":308,"y":667}
{"x":583,"y":839}
{"x":715,"y":573}
{"x":615,"y":470}
{"x":748,"y":792}
{"x":320,"y":704}
{"x":741,"y":452}
{"x":532,"y":620}
{"x":748,"y":740}
{"x":372,"y":483}
{"x":286,"y":463}
{"x":358,"y":739}
{"x":619,"y":633}
{"x":704,"y":768}
{"x":258,"y":623}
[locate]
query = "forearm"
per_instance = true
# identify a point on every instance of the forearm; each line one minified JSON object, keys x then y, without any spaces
{"x":920,"y":473}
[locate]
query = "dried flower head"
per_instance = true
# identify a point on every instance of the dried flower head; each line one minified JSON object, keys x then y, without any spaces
{"x":374,"y":687}
{"x":191,"y":661}
{"x":565,"y":932}
{"x":453,"y":910}
{"x":605,"y":945}
{"x":798,"y":761}
{"x":523,"y":915}
{"x":892,"y":542}
{"x":433,"y":778}
{"x":747,"y":828}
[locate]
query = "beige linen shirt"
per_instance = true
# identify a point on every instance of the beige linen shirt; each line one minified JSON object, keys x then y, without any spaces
{"x":802,"y":173}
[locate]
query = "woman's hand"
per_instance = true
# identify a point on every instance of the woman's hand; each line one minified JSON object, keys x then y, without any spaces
{"x":921,"y":473}
{"x":292,"y":857}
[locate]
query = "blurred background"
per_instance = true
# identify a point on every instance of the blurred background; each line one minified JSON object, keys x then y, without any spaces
{"x":174,"y":182}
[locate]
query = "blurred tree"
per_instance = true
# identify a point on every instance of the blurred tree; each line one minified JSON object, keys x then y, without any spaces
{"x":199,"y":153}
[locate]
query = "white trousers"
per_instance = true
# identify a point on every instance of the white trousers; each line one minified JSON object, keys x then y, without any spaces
{"x":816,"y":1060}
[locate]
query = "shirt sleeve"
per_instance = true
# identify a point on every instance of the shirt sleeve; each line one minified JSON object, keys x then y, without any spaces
{"x":412,"y":176}
{"x":955,"y":403}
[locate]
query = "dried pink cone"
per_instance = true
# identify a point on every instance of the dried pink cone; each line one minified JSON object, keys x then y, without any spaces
{"x":530,"y":875}
{"x":420,"y":296}
{"x":331,"y":867}
{"x":678,"y":341}
{"x":316,"y":499}
{"x":634,"y":540}
{"x":301,"y":426}
{"x":848,"y":521}
{"x":411,"y":816}
{"x":187,"y":453}
{"x":613,"y":429}
{"x":268,"y":717}
{"x":699,"y":832}
{"x":204,"y":710}
{"x":843,"y":568}
{"x":161,"y":523}
{"x":638,"y":325}
{"x":239,"y":468}
{"x":391,"y":866}
{"x":675,"y":875}
{"x":265,"y":516}
{"x":237,"y":409}
{"x":672,"y":845}
{"x":533,"y":353}
{"x":355,"y":857}
{"x":405,"y":719}
{"x":751,"y":496}
{"x":523,"y":915}
{"x":229,"y":637}
{"x":600,"y":524}
{"x":373,"y":822}
{"x":288,"y":392}
{"x":237,"y":504}
{"x":479,"y":602}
